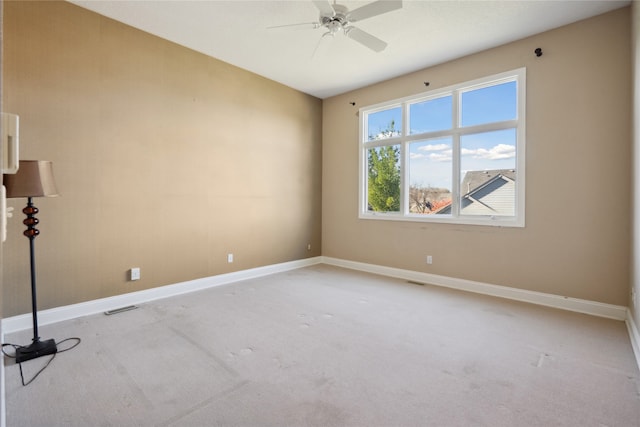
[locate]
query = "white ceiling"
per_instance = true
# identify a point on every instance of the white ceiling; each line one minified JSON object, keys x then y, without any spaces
{"x":421,"y":34}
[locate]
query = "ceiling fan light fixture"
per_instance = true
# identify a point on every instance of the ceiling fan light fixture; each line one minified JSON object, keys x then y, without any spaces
{"x":334,"y":26}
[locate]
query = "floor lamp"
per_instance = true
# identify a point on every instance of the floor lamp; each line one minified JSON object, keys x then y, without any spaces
{"x":33,"y":179}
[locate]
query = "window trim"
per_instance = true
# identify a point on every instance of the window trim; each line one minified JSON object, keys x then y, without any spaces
{"x":456,"y":91}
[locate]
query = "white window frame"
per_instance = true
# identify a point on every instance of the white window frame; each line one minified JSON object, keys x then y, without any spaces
{"x":518,"y":220}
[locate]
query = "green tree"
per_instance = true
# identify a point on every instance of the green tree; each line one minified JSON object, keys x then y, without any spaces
{"x":384,"y":178}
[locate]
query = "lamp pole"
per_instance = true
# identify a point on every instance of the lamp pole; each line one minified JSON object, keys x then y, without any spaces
{"x":37,"y":348}
{"x":31,"y":232}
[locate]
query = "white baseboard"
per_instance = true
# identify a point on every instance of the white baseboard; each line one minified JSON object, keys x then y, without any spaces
{"x":565,"y":303}
{"x":58,"y":314}
{"x":634,"y":335}
{"x":22,"y":322}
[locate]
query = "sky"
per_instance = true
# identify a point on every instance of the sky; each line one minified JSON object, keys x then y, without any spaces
{"x":430,"y":161}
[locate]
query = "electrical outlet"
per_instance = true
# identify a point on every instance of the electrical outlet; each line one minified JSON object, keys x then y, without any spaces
{"x":429,"y":259}
{"x":309,"y":247}
{"x":229,"y":258}
{"x":134,"y":273}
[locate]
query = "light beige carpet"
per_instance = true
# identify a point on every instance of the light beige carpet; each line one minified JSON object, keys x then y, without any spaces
{"x":323,"y":346}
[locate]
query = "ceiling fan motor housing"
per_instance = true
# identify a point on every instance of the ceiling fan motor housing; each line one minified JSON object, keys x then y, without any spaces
{"x":337,"y":21}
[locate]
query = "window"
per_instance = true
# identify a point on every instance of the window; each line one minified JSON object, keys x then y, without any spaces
{"x":451,"y":155}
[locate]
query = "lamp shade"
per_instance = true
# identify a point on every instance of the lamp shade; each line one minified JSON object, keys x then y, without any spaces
{"x":34,"y":179}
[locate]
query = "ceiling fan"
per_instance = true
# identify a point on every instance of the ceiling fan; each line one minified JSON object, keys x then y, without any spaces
{"x":337,"y":18}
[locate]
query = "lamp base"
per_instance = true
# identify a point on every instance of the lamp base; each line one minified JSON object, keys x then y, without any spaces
{"x":35,"y":350}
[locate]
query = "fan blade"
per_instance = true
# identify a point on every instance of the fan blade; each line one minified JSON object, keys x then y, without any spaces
{"x":366,"y":39}
{"x":301,"y":26}
{"x":321,"y":47}
{"x":324,"y":7}
{"x":372,"y":9}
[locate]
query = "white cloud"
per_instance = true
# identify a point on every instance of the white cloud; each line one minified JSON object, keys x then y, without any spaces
{"x":499,"y":152}
{"x":444,"y":156}
{"x":433,"y":152}
{"x":436,"y":147}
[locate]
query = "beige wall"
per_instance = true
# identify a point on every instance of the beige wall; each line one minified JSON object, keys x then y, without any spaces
{"x":166,"y":159}
{"x":576,"y":240}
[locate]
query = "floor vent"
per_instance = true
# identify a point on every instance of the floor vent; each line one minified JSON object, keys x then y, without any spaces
{"x":415,"y":283}
{"x":120,"y":310}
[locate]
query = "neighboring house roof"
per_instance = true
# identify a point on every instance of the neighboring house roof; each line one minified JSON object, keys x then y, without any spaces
{"x":492,"y":193}
{"x":489,"y":192}
{"x":474,"y":180}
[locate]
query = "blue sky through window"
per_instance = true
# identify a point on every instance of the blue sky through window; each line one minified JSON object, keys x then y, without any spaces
{"x":379,"y":123}
{"x":430,"y":160}
{"x":489,"y":104}
{"x":430,"y":163}
{"x":431,"y":115}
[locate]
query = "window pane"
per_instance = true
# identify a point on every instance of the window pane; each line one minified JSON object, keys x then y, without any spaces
{"x":430,"y":116}
{"x":489,"y":104}
{"x":384,"y":124}
{"x":430,"y":176}
{"x":383,"y":184}
{"x":488,"y":173}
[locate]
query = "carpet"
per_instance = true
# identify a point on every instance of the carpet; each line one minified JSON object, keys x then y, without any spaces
{"x":326,"y":346}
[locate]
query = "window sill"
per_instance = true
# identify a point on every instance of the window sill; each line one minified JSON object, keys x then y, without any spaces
{"x":446,"y":219}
